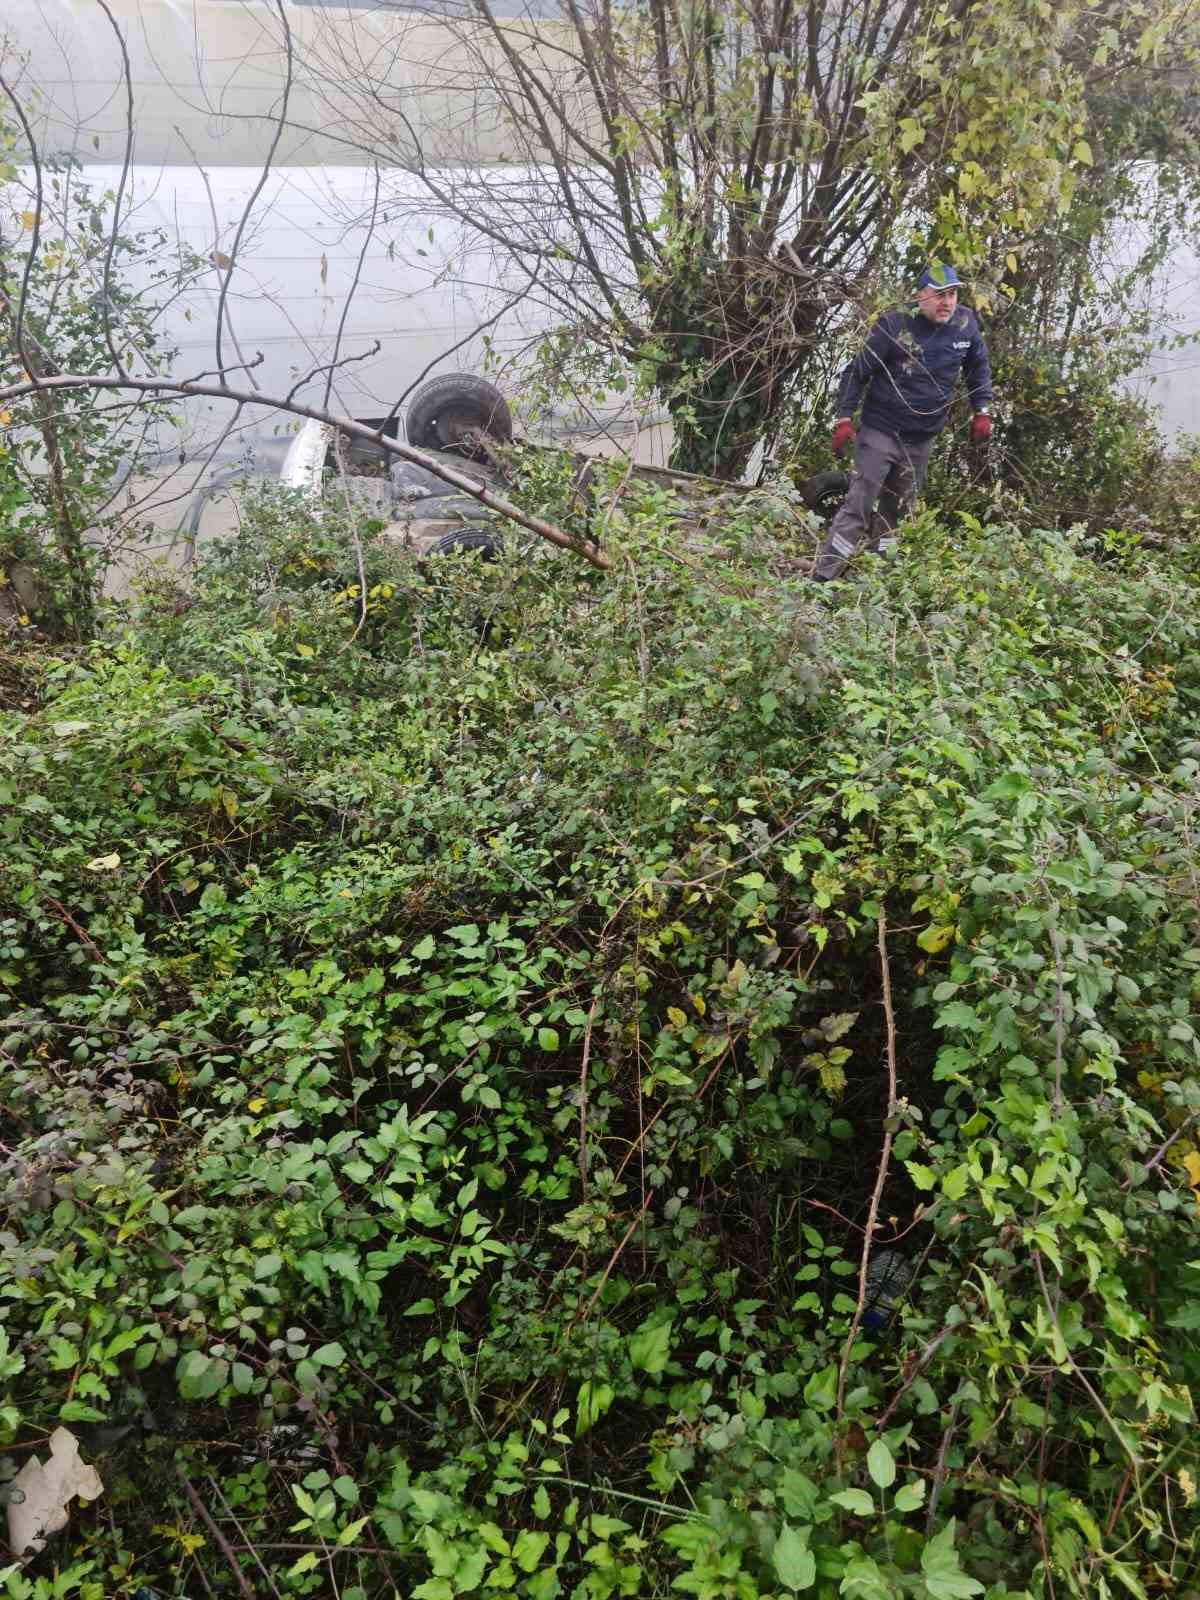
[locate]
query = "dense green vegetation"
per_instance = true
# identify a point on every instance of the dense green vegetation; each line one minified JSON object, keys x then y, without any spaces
{"x":446,"y":1070}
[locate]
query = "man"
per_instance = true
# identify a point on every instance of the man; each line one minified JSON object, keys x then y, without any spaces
{"x":907,"y":369}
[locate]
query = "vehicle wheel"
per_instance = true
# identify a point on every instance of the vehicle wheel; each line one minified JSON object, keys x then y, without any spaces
{"x":446,"y":409}
{"x":468,"y":539}
{"x":824,"y":492}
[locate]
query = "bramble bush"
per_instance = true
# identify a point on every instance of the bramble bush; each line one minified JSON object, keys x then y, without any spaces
{"x":446,"y":1070}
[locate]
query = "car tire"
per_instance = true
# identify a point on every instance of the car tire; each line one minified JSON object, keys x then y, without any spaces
{"x":824,"y":492}
{"x":444,"y":411}
{"x":468,"y":539}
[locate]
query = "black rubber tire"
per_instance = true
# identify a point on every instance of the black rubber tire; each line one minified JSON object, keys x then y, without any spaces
{"x":824,"y":492}
{"x":468,"y":539}
{"x":445,"y":409}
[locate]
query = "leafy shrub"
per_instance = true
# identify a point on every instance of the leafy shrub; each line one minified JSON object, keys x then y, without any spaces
{"x":446,"y":1070}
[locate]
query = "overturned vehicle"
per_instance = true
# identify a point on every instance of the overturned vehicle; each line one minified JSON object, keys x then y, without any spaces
{"x":460,"y":418}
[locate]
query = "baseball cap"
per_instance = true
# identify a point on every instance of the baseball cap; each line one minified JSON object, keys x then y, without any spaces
{"x":938,"y":275}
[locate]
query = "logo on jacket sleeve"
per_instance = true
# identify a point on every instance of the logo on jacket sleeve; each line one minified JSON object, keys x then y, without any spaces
{"x":962,"y":344}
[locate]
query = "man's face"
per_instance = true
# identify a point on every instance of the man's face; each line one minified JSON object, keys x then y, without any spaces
{"x":938,"y":305}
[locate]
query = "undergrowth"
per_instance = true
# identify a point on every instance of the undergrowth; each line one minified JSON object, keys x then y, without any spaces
{"x":449,"y":1055}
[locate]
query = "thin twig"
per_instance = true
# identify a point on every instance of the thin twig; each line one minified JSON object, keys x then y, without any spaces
{"x":1134,"y":1458}
{"x":1158,"y":1155}
{"x":583,"y":1097}
{"x":881,"y":1174}
{"x":347,"y":425}
{"x":219,"y":1539}
{"x":216,"y":1488}
{"x":1059,"y":1025}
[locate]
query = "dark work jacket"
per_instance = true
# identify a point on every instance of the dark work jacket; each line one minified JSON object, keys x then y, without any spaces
{"x":908,"y":368}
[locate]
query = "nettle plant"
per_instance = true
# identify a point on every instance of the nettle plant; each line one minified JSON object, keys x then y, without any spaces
{"x":451,"y":1067}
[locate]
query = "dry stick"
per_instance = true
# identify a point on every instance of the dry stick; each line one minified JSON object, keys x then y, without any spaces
{"x":881,"y":1175}
{"x":219,"y":1539}
{"x":354,"y":430}
{"x":339,"y":451}
{"x":1156,"y":1158}
{"x":583,"y":1098}
{"x":1059,"y":1028}
{"x":216,"y":1487}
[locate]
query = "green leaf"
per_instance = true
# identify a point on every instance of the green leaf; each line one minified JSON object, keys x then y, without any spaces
{"x":911,"y":1495}
{"x":594,"y":1400}
{"x":199,"y":1376}
{"x":944,"y":1577}
{"x":856,"y":1500}
{"x":863,"y":1580}
{"x":923,"y":1177}
{"x":955,"y":1183}
{"x":793,"y":1561}
{"x":548,"y":1039}
{"x":266,"y":1267}
{"x":80,"y":1411}
{"x":958,"y":1014}
{"x":649,"y":1348}
{"x":421,"y":1308}
{"x":881,"y":1464}
{"x":529,"y":1547}
{"x":935,"y":938}
{"x":820,"y":1391}
{"x":328,"y":1355}
{"x":425,"y":949}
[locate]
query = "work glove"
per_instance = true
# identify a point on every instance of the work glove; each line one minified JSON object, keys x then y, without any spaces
{"x":981,"y":428}
{"x":843,"y":434}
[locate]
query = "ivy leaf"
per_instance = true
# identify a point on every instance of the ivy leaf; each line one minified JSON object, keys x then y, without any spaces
{"x":793,"y":1560}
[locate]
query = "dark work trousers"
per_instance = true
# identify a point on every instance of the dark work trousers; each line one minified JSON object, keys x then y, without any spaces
{"x":887,"y":476}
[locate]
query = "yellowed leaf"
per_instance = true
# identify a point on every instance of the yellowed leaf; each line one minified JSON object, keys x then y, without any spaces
{"x":1192,"y":1163}
{"x":29,"y":221}
{"x":256,"y":1104}
{"x":936,"y":937}
{"x":104,"y":863}
{"x":678,"y":1019}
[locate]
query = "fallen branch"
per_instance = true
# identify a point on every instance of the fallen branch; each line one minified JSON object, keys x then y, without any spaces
{"x":346,"y":425}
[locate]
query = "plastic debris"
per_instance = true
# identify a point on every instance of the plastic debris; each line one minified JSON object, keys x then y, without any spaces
{"x":46,"y":1491}
{"x":888,"y":1277}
